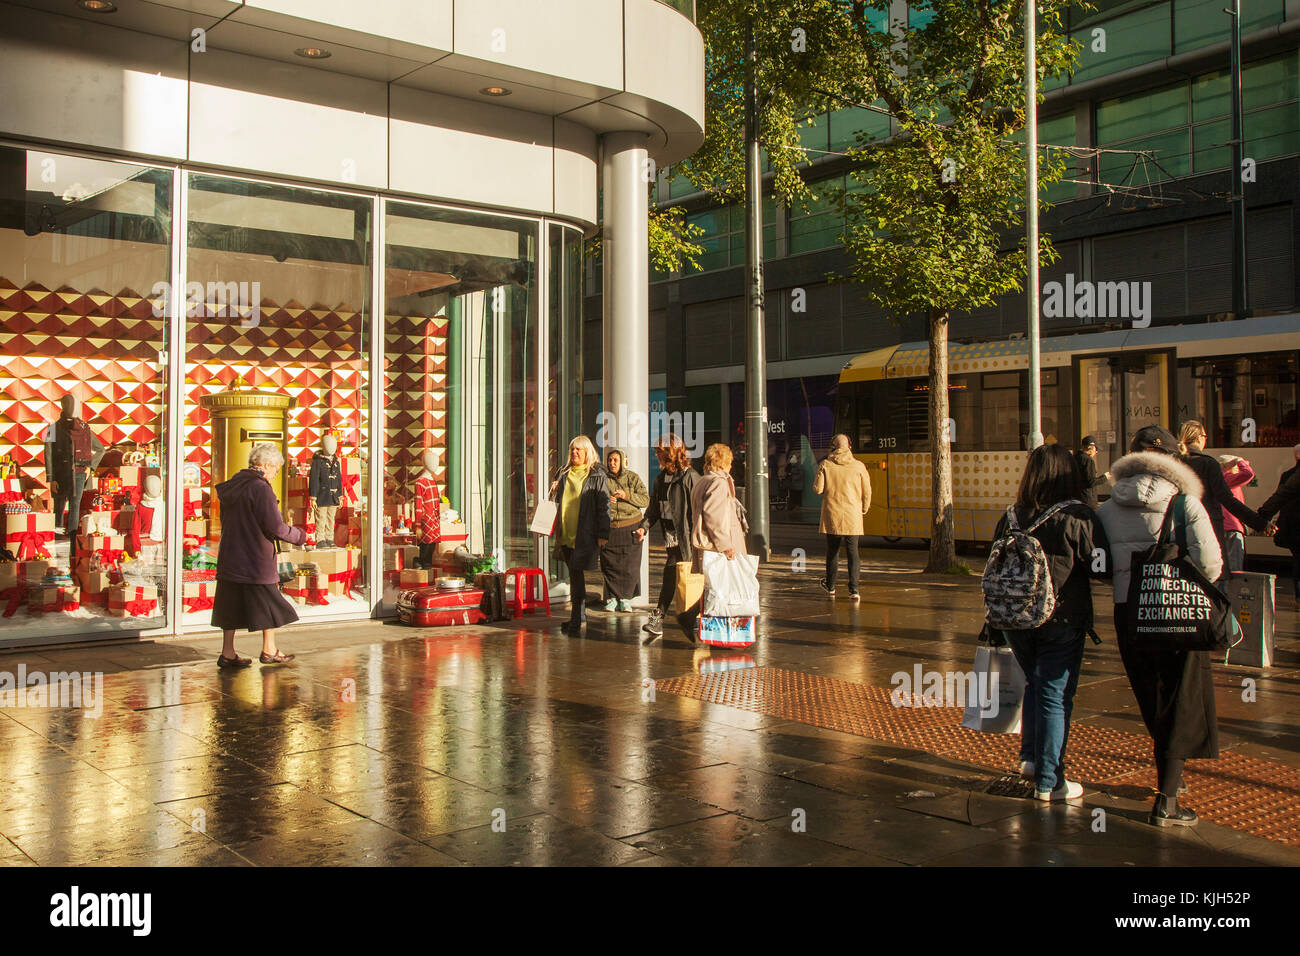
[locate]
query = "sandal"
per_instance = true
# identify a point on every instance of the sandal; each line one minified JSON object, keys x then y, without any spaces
{"x":236,"y":661}
{"x":280,"y":658}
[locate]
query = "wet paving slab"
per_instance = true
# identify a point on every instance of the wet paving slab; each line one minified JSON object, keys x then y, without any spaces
{"x":511,"y":744}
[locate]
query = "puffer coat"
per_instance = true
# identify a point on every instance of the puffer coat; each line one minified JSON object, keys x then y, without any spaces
{"x":1145,"y":483}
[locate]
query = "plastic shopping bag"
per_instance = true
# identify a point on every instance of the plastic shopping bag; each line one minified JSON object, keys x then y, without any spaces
{"x":730,"y":587}
{"x":726,"y":631}
{"x":995,"y":690}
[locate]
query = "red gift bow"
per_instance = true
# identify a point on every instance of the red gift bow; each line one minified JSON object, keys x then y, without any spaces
{"x":28,"y":544}
{"x":108,"y":557}
{"x":192,"y":511}
{"x":14,"y":597}
{"x":136,"y":608}
{"x":346,"y":577}
{"x":201,"y":603}
{"x":350,"y":487}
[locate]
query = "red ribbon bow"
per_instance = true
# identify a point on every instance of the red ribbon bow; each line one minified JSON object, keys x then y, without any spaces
{"x":108,"y":557}
{"x":14,"y":597}
{"x":28,"y":544}
{"x":138,"y":608}
{"x":201,"y":603}
{"x":350,"y":487}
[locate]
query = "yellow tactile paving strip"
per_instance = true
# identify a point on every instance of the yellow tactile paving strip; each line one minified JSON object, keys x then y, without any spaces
{"x":1259,"y":797}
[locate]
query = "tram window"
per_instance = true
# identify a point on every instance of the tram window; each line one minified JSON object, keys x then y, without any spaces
{"x":1238,"y":399}
{"x":1001,"y":400}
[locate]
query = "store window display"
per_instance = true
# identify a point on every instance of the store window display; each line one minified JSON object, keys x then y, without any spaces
{"x":325,"y":489}
{"x":82,"y":386}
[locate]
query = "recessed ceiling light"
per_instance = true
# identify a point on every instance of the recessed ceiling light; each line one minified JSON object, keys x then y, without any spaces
{"x":312,"y":53}
{"x":97,"y":6}
{"x":494,"y":91}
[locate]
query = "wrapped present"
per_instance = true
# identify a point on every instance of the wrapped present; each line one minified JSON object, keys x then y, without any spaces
{"x":126,"y":600}
{"x":53,"y":599}
{"x":11,"y":489}
{"x":350,"y":469}
{"x":193,"y":503}
{"x":99,"y":522}
{"x":108,"y":548}
{"x":127,"y":496}
{"x":399,"y":557}
{"x":130,"y":476}
{"x":197,"y":528}
{"x":295,"y":494}
{"x":309,"y":589}
{"x":96,"y":582}
{"x":198,"y":595}
{"x":27,"y":535}
{"x":415,"y":578}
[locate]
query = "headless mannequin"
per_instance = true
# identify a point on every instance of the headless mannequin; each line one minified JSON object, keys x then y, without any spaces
{"x":428,"y":518}
{"x":147,"y":535}
{"x":66,"y":467}
{"x":325,"y":490}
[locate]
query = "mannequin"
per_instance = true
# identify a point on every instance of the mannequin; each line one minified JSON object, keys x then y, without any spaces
{"x":325,"y":490}
{"x":147,"y":535}
{"x":428,"y":520}
{"x":71,"y":451}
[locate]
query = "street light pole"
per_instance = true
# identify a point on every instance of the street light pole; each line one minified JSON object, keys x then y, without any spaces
{"x":1240,"y":291}
{"x":755,"y":348}
{"x":1031,"y":222}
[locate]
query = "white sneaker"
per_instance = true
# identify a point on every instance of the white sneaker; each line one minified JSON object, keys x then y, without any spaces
{"x":1068,"y":790}
{"x":1027,"y":769}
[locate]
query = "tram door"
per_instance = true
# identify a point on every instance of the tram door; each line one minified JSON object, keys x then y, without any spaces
{"x":1117,"y":395}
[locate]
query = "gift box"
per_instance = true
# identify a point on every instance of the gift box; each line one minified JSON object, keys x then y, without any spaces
{"x":132,"y":600}
{"x":197,"y":528}
{"x":107,"y":547}
{"x":310,"y":589}
{"x":27,"y":535}
{"x":11,"y":489}
{"x":51,"y":600}
{"x":130,"y":476}
{"x":193,"y":503}
{"x":295,"y":495}
{"x":198,"y":595}
{"x":99,"y":522}
{"x":399,"y":557}
{"x":350,"y":469}
{"x":95,"y":582}
{"x":415,"y":578}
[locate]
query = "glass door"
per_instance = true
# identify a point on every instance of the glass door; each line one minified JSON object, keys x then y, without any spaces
{"x":1119,"y":394}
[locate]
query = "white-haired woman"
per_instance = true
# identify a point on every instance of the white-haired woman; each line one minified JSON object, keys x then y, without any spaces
{"x":581,"y":492}
{"x":248,"y":593}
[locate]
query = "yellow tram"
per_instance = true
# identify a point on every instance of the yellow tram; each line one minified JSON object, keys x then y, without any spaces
{"x":1239,"y":378}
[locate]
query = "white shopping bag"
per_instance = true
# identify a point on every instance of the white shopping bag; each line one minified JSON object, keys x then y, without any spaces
{"x":730,"y":587}
{"x":995,"y":694}
{"x":544,"y":517}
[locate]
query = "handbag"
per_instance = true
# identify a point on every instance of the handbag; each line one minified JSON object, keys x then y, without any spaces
{"x":1171,"y":604}
{"x":544,"y":517}
{"x":284,"y":567}
{"x":995,"y":688}
{"x":690,"y":587}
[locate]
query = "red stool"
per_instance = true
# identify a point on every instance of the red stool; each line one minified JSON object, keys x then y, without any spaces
{"x":525,"y":594}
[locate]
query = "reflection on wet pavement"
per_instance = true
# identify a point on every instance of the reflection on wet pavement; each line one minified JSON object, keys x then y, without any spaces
{"x":507,"y":745}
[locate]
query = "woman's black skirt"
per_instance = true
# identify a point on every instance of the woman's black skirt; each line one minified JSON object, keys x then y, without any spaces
{"x":620,"y":564}
{"x":258,"y":607}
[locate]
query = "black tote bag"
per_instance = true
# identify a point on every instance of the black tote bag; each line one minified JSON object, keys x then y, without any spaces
{"x":1171,"y":604}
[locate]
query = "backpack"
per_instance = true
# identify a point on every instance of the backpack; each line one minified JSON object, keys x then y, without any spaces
{"x":1017,"y":580}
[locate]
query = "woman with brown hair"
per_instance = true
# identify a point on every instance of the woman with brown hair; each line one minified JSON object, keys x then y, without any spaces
{"x":670,"y":508}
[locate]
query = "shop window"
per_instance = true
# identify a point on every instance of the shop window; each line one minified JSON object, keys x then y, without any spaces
{"x":84,"y":250}
{"x":1224,"y":393}
{"x":279,"y":356}
{"x":564,"y":356}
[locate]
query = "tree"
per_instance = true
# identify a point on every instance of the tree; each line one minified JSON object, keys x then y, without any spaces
{"x":928,"y":222}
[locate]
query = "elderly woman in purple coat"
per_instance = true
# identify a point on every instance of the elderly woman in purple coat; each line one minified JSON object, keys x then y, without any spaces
{"x":248,"y":583}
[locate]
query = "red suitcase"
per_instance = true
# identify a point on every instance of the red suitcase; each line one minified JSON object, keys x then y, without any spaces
{"x":434,"y":607}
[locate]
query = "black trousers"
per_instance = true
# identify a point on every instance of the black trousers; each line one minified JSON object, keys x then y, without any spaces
{"x":577,"y":593}
{"x":669,"y":588}
{"x":70,"y":495}
{"x":850,"y":542}
{"x":425,"y":559}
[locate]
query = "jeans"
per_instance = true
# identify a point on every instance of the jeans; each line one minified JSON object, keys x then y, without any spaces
{"x":1234,"y":554}
{"x":70,"y":494}
{"x":1051,"y":657}
{"x":850,"y":542}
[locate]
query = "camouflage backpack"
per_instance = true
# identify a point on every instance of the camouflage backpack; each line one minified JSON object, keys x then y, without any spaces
{"x":1017,"y":579}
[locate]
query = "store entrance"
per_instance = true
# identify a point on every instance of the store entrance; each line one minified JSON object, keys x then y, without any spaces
{"x":1117,"y":395}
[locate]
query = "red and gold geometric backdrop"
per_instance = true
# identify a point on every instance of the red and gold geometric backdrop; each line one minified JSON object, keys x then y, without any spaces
{"x":106,"y":349}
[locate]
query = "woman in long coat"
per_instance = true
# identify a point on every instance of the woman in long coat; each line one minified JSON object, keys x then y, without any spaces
{"x":670,"y":508}
{"x":620,"y":558}
{"x":715,"y":520}
{"x":1173,"y":687}
{"x":581,"y":493}
{"x":248,"y":583}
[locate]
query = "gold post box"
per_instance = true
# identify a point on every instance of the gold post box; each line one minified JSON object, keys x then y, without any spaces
{"x":241,"y":418}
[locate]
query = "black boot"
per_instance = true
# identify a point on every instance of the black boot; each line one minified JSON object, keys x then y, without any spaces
{"x":1167,"y":813}
{"x":689,"y":623}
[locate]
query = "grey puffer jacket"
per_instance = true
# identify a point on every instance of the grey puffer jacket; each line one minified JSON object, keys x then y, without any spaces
{"x":1145,"y":483}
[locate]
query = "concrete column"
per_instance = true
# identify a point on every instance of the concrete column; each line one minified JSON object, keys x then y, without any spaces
{"x":625,"y":303}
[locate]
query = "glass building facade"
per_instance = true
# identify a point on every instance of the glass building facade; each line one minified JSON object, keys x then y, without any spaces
{"x":192,"y":315}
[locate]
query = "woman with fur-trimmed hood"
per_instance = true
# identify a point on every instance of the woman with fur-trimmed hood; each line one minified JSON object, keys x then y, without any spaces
{"x":1174,"y":688}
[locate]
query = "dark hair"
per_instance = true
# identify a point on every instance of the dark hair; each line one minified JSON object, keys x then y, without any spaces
{"x":1051,"y":475}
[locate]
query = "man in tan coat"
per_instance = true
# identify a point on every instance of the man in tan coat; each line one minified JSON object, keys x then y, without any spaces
{"x":845,"y":487}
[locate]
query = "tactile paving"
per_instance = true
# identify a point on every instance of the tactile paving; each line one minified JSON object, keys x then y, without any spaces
{"x":1259,"y":797}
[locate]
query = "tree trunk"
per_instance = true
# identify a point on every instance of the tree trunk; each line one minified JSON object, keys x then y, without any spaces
{"x":943,"y":551}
